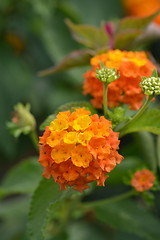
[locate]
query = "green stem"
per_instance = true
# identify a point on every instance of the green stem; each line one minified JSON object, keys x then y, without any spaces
{"x":136,"y":116}
{"x":105,"y":109}
{"x":34,"y":139}
{"x":110,"y":200}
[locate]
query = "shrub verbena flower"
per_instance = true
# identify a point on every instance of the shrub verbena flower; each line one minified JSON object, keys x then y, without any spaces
{"x":142,"y":8}
{"x":132,"y":66}
{"x":77,"y":149}
{"x":143,"y":180}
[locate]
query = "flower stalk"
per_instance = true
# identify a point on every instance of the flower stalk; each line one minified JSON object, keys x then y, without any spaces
{"x":105,"y":108}
{"x":135,"y":117}
{"x":106,"y":76}
{"x":110,"y":200}
{"x":34,"y":139}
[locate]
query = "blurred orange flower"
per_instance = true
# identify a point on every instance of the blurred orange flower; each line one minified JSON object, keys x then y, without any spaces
{"x":132,"y":66}
{"x":15,"y":41}
{"x":77,"y":149}
{"x":142,"y":8}
{"x":143,"y":180}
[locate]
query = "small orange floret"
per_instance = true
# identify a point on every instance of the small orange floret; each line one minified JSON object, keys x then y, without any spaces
{"x":77,"y":149}
{"x":143,"y":180}
{"x":126,"y":90}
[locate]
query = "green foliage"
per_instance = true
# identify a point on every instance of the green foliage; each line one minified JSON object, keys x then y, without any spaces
{"x":47,"y":121}
{"x":13,"y":215}
{"x":123,"y":170}
{"x":73,"y":105}
{"x":146,"y":144}
{"x":52,"y":225}
{"x":129,"y":28}
{"x":154,"y":73}
{"x":74,"y":59}
{"x":67,"y":107}
{"x":22,"y":178}
{"x":47,"y":192}
{"x":138,"y":23}
{"x":158,"y":151}
{"x":117,"y":116}
{"x":40,"y":27}
{"x":13,"y":70}
{"x":123,"y":40}
{"x":149,"y":121}
{"x":90,"y":36}
{"x":129,"y":216}
{"x":85,"y":230}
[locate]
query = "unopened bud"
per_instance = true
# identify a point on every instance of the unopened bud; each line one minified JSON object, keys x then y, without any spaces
{"x":23,"y":121}
{"x":150,"y":85}
{"x":106,"y":75}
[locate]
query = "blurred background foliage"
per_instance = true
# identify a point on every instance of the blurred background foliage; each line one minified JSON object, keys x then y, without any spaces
{"x":34,"y":36}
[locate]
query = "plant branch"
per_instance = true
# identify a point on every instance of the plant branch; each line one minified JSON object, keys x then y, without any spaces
{"x":136,"y":116}
{"x":105,"y":109}
{"x":34,"y":139}
{"x":110,"y":200}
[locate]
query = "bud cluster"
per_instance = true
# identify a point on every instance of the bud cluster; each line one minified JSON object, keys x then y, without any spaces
{"x":23,"y":121}
{"x":150,"y":85}
{"x":106,"y":75}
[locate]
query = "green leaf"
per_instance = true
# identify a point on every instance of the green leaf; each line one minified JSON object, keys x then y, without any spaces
{"x":125,"y":38}
{"x":47,"y":121}
{"x":154,"y":73}
{"x":52,"y":214}
{"x":102,"y":65}
{"x":74,"y":59}
{"x":23,"y":178}
{"x":47,"y":192}
{"x":83,"y":230}
{"x":13,"y":215}
{"x":122,"y":170}
{"x":73,"y":105}
{"x":137,"y":23}
{"x":158,"y":151}
{"x":56,"y":219}
{"x":145,"y":142}
{"x":149,"y":121}
{"x":88,"y":35}
{"x":129,"y":216}
{"x":67,"y":107}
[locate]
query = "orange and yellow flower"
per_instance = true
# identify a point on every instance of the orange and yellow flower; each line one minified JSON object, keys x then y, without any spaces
{"x":126,"y":90}
{"x":77,"y":149}
{"x":142,"y":8}
{"x":143,"y":180}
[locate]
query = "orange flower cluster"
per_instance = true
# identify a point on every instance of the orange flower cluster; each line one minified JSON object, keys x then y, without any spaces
{"x":132,"y":66}
{"x":143,"y":180}
{"x":77,"y":149}
{"x":142,"y":8}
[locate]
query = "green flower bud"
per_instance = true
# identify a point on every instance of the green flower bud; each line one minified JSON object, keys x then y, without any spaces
{"x":151,"y":85}
{"x":23,"y":121}
{"x":106,"y":75}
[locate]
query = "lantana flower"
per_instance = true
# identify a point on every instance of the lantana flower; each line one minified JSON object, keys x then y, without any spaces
{"x":132,"y":66}
{"x":142,"y":8}
{"x":143,"y":180}
{"x":77,"y":149}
